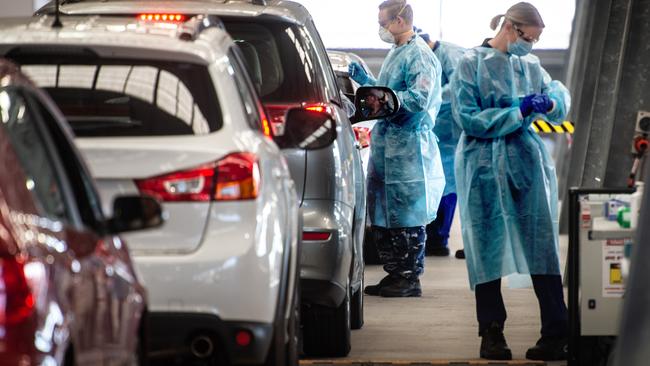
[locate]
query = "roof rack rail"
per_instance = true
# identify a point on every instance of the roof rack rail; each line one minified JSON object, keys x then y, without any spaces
{"x":192,"y":28}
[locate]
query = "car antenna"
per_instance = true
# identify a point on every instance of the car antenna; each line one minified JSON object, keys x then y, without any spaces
{"x":57,"y":20}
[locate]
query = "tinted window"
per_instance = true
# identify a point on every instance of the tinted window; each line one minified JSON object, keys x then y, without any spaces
{"x":19,"y":124}
{"x":84,"y":192}
{"x":344,"y":83}
{"x":127,"y":98}
{"x":279,"y":58}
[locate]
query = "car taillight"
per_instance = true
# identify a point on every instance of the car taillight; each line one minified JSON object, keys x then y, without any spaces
{"x":235,"y":177}
{"x":362,"y":134}
{"x":238,"y":177}
{"x":316,"y":235}
{"x":278,"y":112}
{"x":162,"y":17}
{"x":16,"y":297}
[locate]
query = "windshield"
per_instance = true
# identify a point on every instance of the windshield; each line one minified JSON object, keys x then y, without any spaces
{"x":121,"y":98}
{"x":281,"y":61}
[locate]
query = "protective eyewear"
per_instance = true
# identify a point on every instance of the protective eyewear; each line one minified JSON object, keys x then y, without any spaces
{"x":523,"y":35}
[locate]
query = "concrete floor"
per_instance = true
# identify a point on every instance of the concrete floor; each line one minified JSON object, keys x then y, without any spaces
{"x":441,"y":325}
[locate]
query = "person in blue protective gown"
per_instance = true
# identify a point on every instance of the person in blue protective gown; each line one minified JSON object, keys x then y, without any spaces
{"x":505,"y":179}
{"x":448,"y":133}
{"x":405,"y":175}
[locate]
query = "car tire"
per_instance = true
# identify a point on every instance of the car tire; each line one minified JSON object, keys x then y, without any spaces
{"x":293,"y":343}
{"x":356,"y":307}
{"x":370,"y":254}
{"x":326,"y":330}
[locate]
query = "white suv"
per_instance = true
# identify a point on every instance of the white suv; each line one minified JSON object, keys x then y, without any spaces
{"x":160,"y":104}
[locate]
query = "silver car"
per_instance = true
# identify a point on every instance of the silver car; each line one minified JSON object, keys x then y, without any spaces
{"x":288,"y":65}
{"x":362,"y":131}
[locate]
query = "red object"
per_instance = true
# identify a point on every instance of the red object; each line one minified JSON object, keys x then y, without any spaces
{"x":641,"y":144}
{"x":164,"y":17}
{"x":316,"y":236}
{"x":278,"y":112}
{"x":243,"y":338}
{"x":237,"y":178}
{"x":58,"y":293}
{"x":18,"y":297}
{"x":363,"y":136}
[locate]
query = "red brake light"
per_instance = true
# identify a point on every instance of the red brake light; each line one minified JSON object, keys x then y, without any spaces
{"x":315,"y":236}
{"x":18,"y":299}
{"x":237,"y":178}
{"x":163,"y":17}
{"x":277,"y":113}
{"x":362,"y":134}
{"x":320,"y":108}
{"x":243,"y":338}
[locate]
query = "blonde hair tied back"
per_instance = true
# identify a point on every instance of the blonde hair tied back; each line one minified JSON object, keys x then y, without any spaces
{"x":495,"y":21}
{"x":522,"y":13}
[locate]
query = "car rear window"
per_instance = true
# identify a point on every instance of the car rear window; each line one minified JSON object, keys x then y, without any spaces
{"x":281,"y":60}
{"x":126,"y":98}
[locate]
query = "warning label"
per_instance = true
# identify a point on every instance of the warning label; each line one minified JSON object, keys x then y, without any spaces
{"x":613,"y":253}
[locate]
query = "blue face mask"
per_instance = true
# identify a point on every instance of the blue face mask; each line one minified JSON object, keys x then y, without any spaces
{"x":520,"y":47}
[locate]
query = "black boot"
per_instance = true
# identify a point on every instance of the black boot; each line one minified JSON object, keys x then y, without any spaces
{"x":437,"y":251}
{"x":549,"y":349}
{"x":402,"y":287}
{"x":460,"y":254}
{"x":493,"y":344}
{"x":373,"y":290}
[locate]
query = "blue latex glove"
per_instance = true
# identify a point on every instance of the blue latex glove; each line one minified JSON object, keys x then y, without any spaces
{"x":357,"y":73}
{"x":542,"y":103}
{"x":526,"y":105}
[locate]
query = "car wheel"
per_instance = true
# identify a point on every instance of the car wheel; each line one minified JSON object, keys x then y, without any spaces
{"x":356,"y":306}
{"x":293,"y":344}
{"x":285,"y":350}
{"x":326,"y":331}
{"x":69,"y":359}
{"x":370,"y":254}
{"x":141,"y":358}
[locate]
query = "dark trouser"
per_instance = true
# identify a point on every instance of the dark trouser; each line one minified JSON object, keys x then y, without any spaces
{"x":401,"y":250}
{"x":548,"y":288}
{"x":438,"y":229}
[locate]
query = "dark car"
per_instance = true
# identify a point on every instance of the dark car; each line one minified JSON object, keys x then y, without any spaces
{"x":68,"y":291}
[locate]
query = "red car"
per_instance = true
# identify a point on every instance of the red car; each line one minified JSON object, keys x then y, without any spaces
{"x":68,"y":291}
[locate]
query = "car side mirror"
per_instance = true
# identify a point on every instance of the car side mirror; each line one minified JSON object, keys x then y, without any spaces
{"x":307,"y":129}
{"x":374,"y":102}
{"x":131,"y":213}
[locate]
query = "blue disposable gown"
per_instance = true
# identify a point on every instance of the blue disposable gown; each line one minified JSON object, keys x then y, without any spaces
{"x":447,"y":131}
{"x":507,"y":187}
{"x":405,"y":175}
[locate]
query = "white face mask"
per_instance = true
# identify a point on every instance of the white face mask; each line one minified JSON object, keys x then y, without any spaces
{"x":386,"y":35}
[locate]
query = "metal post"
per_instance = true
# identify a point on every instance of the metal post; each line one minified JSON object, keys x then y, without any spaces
{"x":573,"y":277}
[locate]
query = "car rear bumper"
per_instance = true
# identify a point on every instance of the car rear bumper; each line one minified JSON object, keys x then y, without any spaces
{"x":325,"y":264}
{"x":171,"y":334}
{"x":235,"y":274}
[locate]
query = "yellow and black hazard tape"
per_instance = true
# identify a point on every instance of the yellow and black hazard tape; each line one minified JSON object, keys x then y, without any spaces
{"x":421,"y":363}
{"x":541,"y":126}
